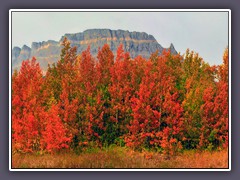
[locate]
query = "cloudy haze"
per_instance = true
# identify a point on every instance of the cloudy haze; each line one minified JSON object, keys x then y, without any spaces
{"x":203,"y":32}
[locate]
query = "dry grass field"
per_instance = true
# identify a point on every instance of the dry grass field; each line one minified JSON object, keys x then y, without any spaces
{"x":119,"y":157}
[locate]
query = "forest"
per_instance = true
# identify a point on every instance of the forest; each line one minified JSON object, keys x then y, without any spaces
{"x":165,"y":104}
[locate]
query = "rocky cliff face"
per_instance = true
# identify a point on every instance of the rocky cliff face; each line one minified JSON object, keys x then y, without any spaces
{"x":48,"y":52}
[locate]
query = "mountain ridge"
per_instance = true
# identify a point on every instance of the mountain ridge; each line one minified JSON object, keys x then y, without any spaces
{"x":48,"y":52}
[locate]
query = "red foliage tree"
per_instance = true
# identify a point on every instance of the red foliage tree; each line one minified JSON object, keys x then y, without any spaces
{"x":215,"y":110}
{"x":27,"y":107}
{"x":157,"y":113}
{"x":167,"y":99}
{"x":61,"y":88}
{"x":105,"y":62}
{"x":145,"y":118}
{"x":54,"y":135}
{"x":34,"y":128}
{"x":91,"y":100}
{"x":121,"y":90}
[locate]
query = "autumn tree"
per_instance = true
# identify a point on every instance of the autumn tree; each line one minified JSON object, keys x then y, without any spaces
{"x":54,"y":135}
{"x":34,"y":127}
{"x":26,"y":107}
{"x":91,"y":107}
{"x":170,"y":130}
{"x":157,"y":113}
{"x":60,"y":87}
{"x":105,"y":62}
{"x":197,"y":75}
{"x":145,"y":119}
{"x":121,"y":91}
{"x":168,"y":98}
{"x":215,"y":110}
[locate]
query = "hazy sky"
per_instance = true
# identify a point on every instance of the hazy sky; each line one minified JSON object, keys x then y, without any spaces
{"x":203,"y":32}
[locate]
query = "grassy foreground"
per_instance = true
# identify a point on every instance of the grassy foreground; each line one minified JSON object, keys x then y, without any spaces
{"x":119,"y":157}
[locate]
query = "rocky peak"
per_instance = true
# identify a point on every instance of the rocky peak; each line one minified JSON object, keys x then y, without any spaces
{"x":37,"y":45}
{"x":26,"y":48}
{"x":16,"y":51}
{"x":100,"y":34}
{"x":172,"y":49}
{"x":136,"y":43}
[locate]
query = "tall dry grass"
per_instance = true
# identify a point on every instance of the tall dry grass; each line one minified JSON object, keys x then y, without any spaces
{"x":119,"y":157}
